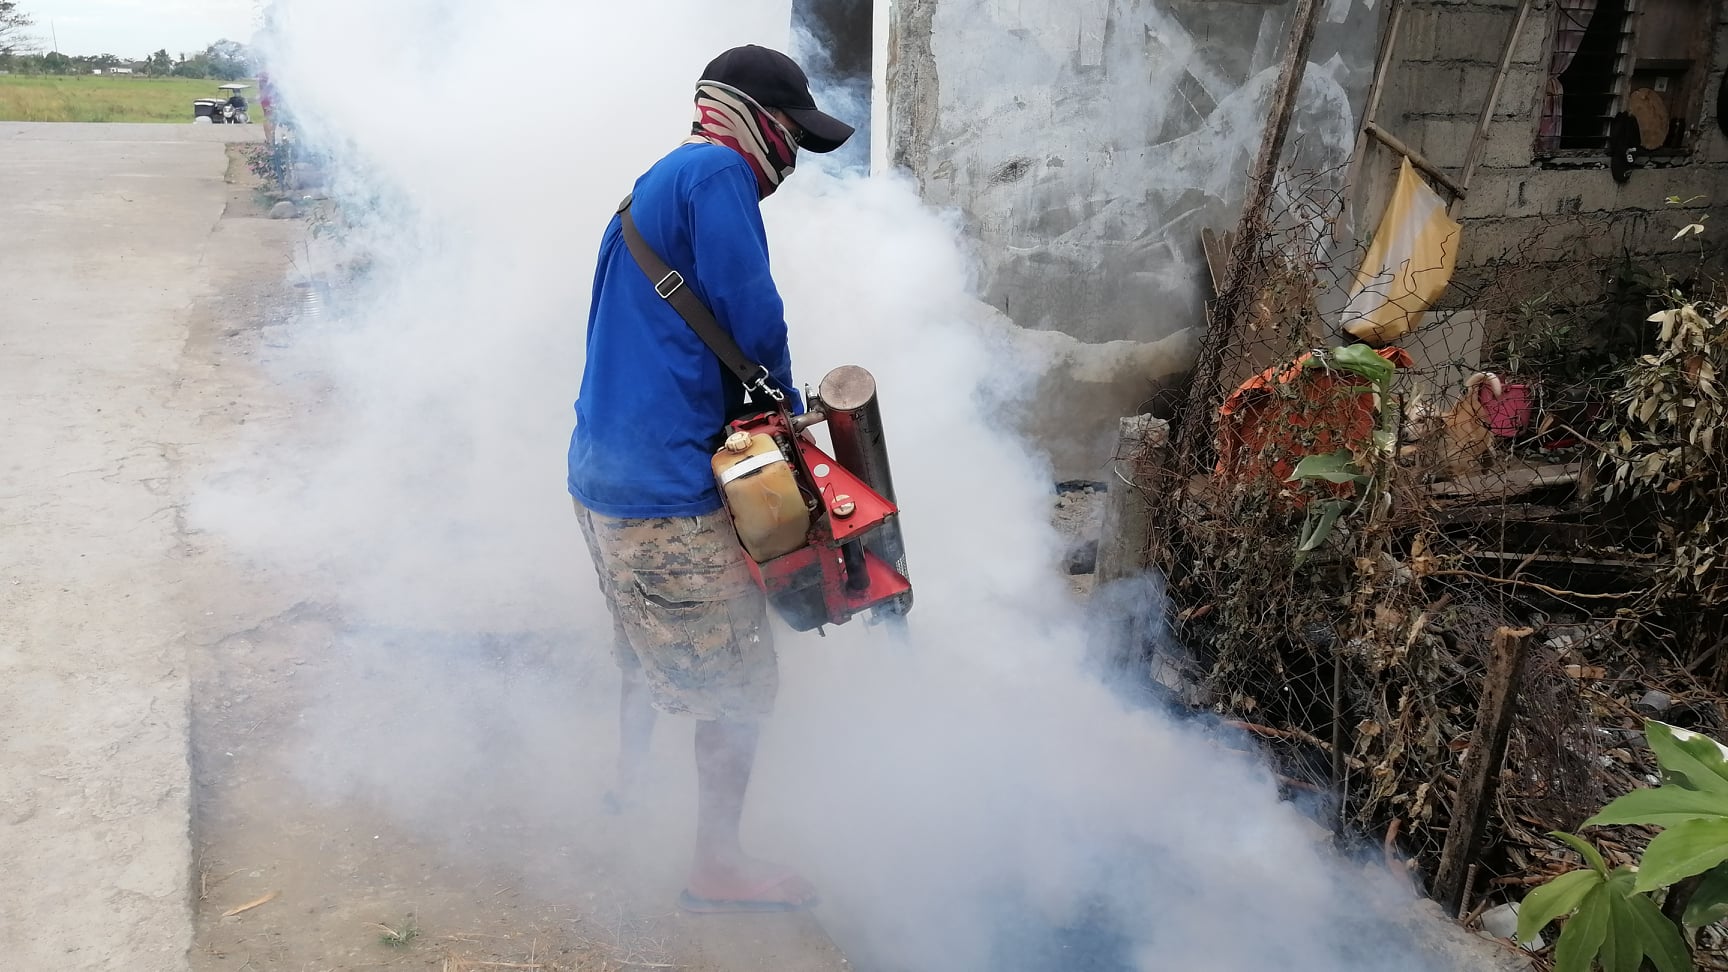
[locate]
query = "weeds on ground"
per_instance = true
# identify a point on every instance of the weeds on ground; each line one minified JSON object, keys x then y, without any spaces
{"x":1354,"y":628}
{"x":1616,"y":917}
{"x":399,"y":937}
{"x":272,"y":163}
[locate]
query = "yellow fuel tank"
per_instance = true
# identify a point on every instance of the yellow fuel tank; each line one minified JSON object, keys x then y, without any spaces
{"x":762,"y":496}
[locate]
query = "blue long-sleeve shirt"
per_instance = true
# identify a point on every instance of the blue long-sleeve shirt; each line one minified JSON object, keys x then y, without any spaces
{"x":654,"y":397}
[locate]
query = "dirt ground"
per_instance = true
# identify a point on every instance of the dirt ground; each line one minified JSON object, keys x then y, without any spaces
{"x":343,"y":878}
{"x":168,"y":703}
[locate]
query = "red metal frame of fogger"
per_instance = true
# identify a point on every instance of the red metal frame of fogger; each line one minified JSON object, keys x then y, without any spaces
{"x":847,"y":509}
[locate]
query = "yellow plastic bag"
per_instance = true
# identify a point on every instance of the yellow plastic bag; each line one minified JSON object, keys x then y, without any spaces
{"x":1407,"y":267}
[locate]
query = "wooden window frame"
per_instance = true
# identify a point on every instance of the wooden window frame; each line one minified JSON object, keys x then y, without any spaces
{"x":1689,"y":102}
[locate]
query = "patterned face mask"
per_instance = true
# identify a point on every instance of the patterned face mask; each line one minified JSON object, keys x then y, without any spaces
{"x":729,"y":117}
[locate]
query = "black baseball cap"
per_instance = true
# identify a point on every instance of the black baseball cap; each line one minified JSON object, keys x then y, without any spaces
{"x":776,"y":81}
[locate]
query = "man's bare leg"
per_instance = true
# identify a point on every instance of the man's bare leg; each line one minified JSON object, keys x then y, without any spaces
{"x":725,"y":754}
{"x":636,"y":718}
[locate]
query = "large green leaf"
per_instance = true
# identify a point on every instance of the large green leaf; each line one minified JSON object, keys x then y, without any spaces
{"x":1687,"y":848}
{"x":1657,"y":937}
{"x":1362,"y":360}
{"x":1557,"y":898}
{"x":1318,"y":524}
{"x":1582,"y":937}
{"x":1711,"y":752}
{"x":1618,"y":928}
{"x":1691,"y":760}
{"x":1622,"y":946}
{"x":1592,"y":856}
{"x":1710,"y":901}
{"x":1663,"y":806}
{"x":1334,"y":467}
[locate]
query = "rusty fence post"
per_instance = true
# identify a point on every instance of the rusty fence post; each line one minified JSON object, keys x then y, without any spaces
{"x":1240,"y":274}
{"x":1479,"y":778}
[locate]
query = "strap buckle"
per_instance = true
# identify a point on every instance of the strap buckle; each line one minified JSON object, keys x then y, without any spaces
{"x":677,"y":284}
{"x":764,"y":383}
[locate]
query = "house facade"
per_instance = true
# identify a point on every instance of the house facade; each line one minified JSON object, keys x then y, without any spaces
{"x":1088,"y":144}
{"x":1582,"y":84}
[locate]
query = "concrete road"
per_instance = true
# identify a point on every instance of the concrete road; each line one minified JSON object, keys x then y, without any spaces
{"x":104,"y":245}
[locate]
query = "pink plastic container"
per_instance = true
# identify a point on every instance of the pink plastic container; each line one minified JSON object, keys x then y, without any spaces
{"x":1512,"y":412}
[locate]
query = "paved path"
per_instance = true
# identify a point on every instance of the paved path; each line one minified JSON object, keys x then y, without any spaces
{"x":103,"y":246}
{"x":128,"y":313}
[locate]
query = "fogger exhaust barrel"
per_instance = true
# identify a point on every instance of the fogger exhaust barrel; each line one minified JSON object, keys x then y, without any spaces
{"x":848,"y":397}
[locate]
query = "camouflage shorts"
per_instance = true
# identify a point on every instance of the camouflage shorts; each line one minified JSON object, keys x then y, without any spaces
{"x":686,"y":614}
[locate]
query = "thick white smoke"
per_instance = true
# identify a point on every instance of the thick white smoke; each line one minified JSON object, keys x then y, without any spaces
{"x":961,"y":798}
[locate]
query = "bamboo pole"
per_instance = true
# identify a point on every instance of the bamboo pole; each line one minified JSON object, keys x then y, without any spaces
{"x":1474,"y":156}
{"x":1389,"y":45}
{"x":1433,"y":171}
{"x":1371,"y":111}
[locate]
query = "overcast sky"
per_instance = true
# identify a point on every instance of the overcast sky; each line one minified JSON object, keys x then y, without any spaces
{"x":135,"y":28}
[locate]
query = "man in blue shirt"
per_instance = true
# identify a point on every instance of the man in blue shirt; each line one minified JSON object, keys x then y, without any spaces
{"x":689,"y":624}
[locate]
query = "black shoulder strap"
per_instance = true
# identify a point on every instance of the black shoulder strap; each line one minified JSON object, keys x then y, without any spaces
{"x":669,"y":284}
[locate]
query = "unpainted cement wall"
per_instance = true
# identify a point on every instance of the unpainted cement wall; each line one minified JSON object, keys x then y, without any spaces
{"x":1087,"y":143}
{"x":1518,"y":207}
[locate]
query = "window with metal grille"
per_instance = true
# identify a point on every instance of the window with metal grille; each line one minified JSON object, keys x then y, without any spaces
{"x":1587,"y":60}
{"x":1644,"y":58}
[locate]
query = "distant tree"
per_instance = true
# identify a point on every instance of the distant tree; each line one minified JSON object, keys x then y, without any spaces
{"x":13,"y":23}
{"x":224,"y":60}
{"x":196,"y":66}
{"x":229,"y":60}
{"x":159,"y":64}
{"x":55,"y":62}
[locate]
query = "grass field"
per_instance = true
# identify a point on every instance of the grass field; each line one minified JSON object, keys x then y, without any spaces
{"x":87,"y":98}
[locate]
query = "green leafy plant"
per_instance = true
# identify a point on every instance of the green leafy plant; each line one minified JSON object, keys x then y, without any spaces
{"x":1691,"y":806}
{"x":1690,"y":229}
{"x":1323,"y":515}
{"x":1664,"y":441}
{"x":1539,"y":334}
{"x":1611,"y":922}
{"x":271,"y":163}
{"x":1614,"y":921}
{"x":1343,"y":466}
{"x":1543,"y":338}
{"x":399,"y":937}
{"x":1362,"y":360}
{"x":1333,"y":467}
{"x":1358,"y":359}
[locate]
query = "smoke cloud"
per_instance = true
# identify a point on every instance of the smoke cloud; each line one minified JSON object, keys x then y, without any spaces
{"x":970,"y":798}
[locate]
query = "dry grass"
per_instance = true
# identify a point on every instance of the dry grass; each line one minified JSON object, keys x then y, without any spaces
{"x":586,"y":944}
{"x":86,"y":98}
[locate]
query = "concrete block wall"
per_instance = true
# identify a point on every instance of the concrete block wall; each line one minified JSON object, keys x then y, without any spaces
{"x":1518,"y":207}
